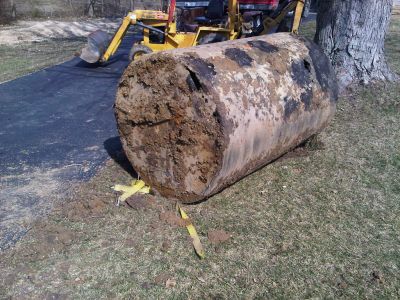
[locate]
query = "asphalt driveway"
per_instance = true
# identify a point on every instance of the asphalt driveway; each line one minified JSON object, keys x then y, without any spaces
{"x":56,"y":127}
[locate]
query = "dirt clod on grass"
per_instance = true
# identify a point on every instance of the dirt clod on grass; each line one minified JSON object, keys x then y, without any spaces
{"x":77,"y":210}
{"x":218,"y":236}
{"x":170,"y":283}
{"x":377,"y":277}
{"x":166,"y":245}
{"x":173,"y":219}
{"x":160,"y":279}
{"x":52,"y":237}
{"x":141,"y":202}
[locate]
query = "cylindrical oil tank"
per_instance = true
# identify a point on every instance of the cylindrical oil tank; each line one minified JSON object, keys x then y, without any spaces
{"x":193,"y":121}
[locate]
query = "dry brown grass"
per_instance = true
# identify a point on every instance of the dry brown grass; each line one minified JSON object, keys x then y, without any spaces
{"x":21,"y":59}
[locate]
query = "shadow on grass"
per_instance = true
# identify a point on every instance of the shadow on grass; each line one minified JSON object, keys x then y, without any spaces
{"x":114,"y":149}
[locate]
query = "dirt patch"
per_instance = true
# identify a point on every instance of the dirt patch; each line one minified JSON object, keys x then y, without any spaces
{"x":27,"y":197}
{"x":82,"y":208}
{"x":166,"y":245}
{"x":162,"y":278}
{"x":173,"y":219}
{"x":36,"y":31}
{"x":141,"y":202}
{"x":218,"y":236}
{"x":377,"y":277}
{"x":51,"y":238}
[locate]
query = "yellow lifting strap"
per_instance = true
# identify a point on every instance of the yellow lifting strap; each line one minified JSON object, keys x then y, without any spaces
{"x":137,"y":186}
{"x":198,"y":247}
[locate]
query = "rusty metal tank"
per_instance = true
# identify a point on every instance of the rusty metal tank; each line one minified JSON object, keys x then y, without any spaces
{"x":193,"y":121}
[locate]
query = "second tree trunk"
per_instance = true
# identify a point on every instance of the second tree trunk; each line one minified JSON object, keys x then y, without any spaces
{"x":352,"y":34}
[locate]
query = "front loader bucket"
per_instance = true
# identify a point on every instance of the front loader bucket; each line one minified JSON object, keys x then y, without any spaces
{"x":97,"y":44}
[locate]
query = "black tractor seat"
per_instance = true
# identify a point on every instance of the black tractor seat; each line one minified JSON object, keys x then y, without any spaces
{"x":214,"y":14}
{"x":249,"y":15}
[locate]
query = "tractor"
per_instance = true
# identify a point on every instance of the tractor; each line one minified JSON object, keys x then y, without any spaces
{"x":168,"y":30}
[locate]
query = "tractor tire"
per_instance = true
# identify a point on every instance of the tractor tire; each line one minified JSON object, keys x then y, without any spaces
{"x":138,"y":50}
{"x":285,"y":25}
{"x":211,"y":38}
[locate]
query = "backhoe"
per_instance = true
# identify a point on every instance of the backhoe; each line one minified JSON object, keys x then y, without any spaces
{"x":160,"y":28}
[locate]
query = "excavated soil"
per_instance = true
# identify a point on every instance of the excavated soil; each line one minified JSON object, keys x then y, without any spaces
{"x":218,"y":236}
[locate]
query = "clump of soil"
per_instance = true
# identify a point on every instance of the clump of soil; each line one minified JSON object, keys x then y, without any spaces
{"x":166,"y":245}
{"x":173,"y":219}
{"x":50,"y":238}
{"x":314,"y":143}
{"x":377,"y":277}
{"x":162,"y":278}
{"x":141,"y":202}
{"x":218,"y":236}
{"x":79,"y":209}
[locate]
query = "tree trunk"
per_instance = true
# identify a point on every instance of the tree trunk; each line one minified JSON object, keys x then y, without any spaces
{"x":306,"y":10}
{"x":5,"y":11}
{"x":352,"y":34}
{"x":90,"y":8}
{"x":13,"y":10}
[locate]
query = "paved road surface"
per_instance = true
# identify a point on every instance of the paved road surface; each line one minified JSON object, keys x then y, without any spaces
{"x":56,"y":126}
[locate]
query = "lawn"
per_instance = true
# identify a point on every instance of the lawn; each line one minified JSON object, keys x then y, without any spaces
{"x":21,"y":59}
{"x":321,"y":222}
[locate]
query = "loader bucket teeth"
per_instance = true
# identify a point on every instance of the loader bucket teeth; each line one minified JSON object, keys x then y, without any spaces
{"x":97,"y":44}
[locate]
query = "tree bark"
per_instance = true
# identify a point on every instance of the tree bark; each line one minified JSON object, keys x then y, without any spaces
{"x":352,"y":34}
{"x":5,"y":11}
{"x":13,"y":10}
{"x":90,"y":8}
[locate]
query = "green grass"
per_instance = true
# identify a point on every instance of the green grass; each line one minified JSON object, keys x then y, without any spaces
{"x":308,"y":29}
{"x":21,"y":59}
{"x":324,"y":225}
{"x":392,"y":50}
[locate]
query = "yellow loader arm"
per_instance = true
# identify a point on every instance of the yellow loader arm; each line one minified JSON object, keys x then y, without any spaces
{"x":298,"y":6}
{"x":130,"y":19}
{"x":99,"y":46}
{"x":133,"y":18}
